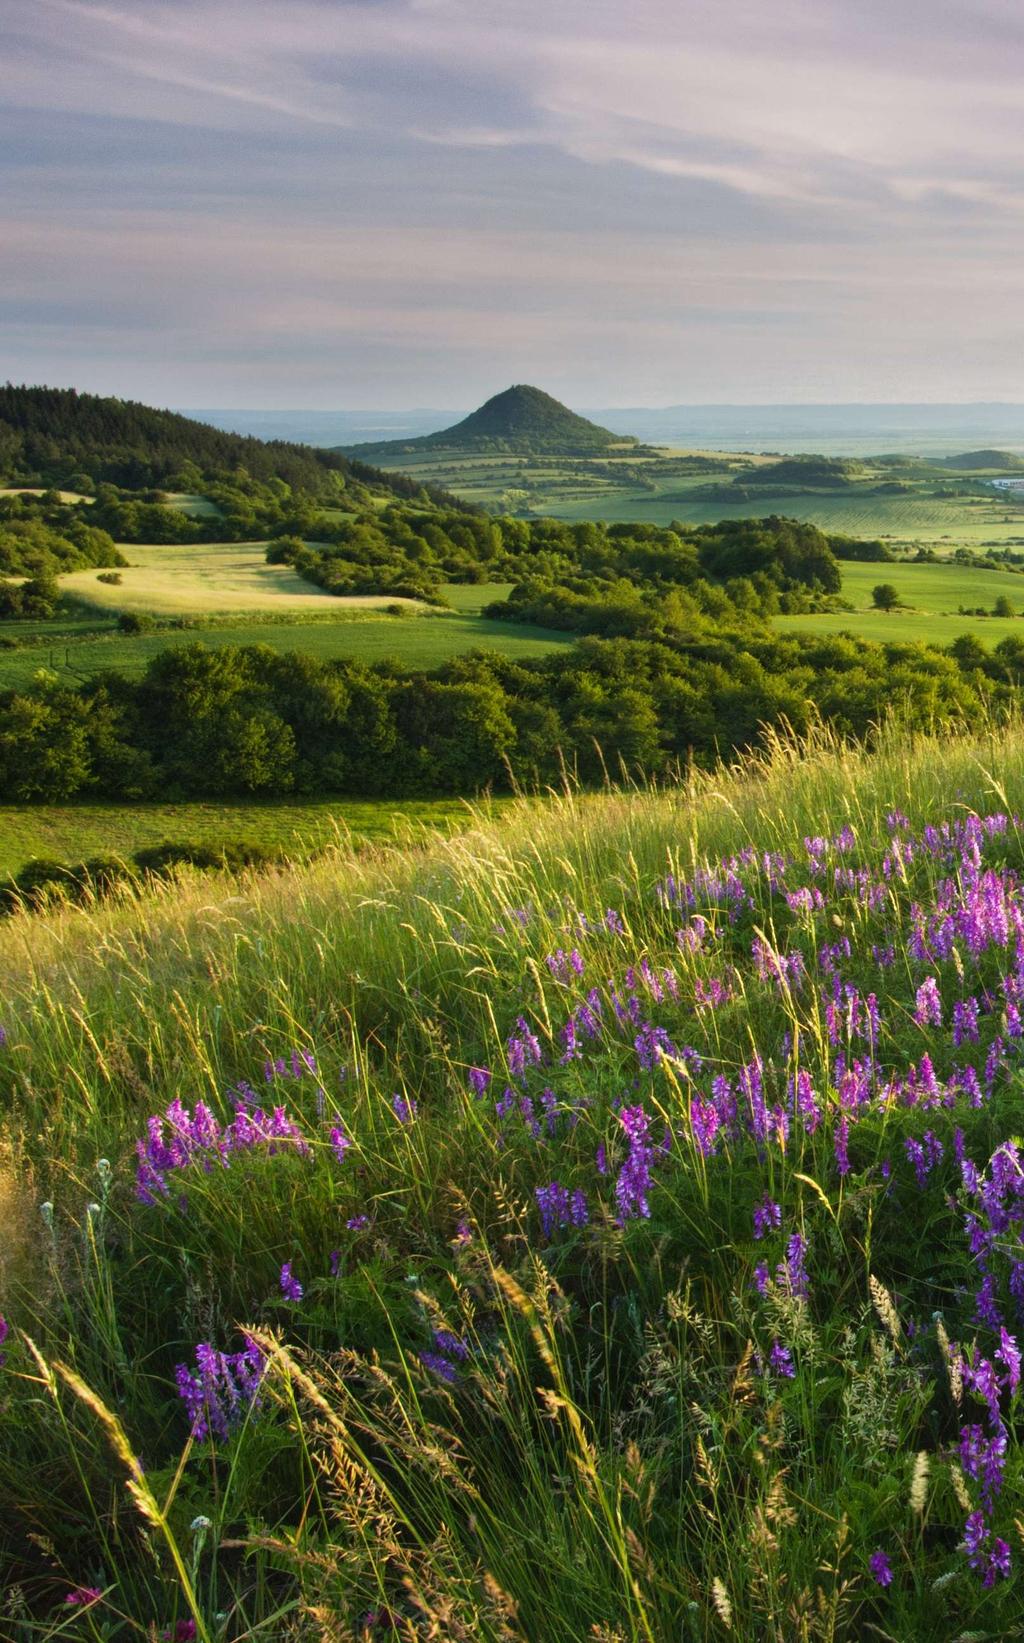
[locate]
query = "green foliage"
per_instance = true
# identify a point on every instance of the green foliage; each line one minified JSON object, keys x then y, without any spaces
{"x":616,"y":1457}
{"x":884,"y":596}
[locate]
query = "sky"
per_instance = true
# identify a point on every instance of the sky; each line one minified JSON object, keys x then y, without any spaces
{"x":392,"y":203}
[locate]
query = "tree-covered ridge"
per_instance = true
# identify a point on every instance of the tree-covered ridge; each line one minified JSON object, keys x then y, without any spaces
{"x":522,"y":418}
{"x":58,"y":436}
{"x":986,"y":459}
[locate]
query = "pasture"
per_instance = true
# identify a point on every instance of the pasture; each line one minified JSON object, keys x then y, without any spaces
{"x":931,"y":595}
{"x":199,"y":580}
{"x":81,"y":648}
{"x":652,"y":490}
{"x":298,"y":829}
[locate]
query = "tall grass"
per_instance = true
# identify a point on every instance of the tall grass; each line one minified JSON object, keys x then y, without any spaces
{"x":523,"y":1362}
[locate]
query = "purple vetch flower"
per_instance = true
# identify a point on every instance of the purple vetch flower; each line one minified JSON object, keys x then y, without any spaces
{"x":404,"y":1108}
{"x":987,"y":1555}
{"x":965,"y":1022}
{"x":986,"y":1308}
{"x":3,"y":1037}
{"x":223,"y":1388}
{"x":440,"y":1366}
{"x":522,"y":1049}
{"x":357,"y":1223}
{"x":925,"y":1155}
{"x":601,"y":1160}
{"x":928,"y":1007}
{"x":780,"y":1361}
{"x":291,"y":1289}
{"x":762,"y":1278}
{"x":452,"y":1345}
{"x":634,"y":1178}
{"x":767,"y":1217}
{"x":479,"y":1078}
{"x":651,"y":1043}
{"x":1007,"y":1352}
{"x":791,"y":1274}
{"x":878,"y":1563}
{"x":980,"y":1377}
{"x":983,"y":1458}
{"x":561,"y":1208}
{"x":335,"y":1260}
{"x":340,"y":1143}
{"x":463,"y":1234}
{"x":179,"y":1139}
{"x":5,"y":1330}
{"x":613,"y":922}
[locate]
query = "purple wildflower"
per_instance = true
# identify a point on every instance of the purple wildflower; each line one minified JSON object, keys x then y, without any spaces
{"x":767,"y":1217}
{"x":404,"y":1108}
{"x":356,"y":1223}
{"x":5,"y":1330}
{"x":223,"y":1388}
{"x":340,"y":1143}
{"x":561,"y":1208}
{"x":791,"y":1274}
{"x":987,"y":1554}
{"x":1007,"y":1352}
{"x":928,"y":1011}
{"x":983,"y":1458}
{"x":291,"y":1289}
{"x":83,"y":1595}
{"x":878,"y":1563}
{"x":479,"y":1078}
{"x":780,"y":1361}
{"x":634,"y":1178}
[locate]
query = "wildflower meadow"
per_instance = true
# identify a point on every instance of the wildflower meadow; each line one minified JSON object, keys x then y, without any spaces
{"x":606,"y":1225}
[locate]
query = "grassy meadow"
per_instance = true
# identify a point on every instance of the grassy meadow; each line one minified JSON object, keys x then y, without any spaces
{"x":75,"y":832}
{"x":85,"y":640}
{"x":652,"y":490}
{"x":600,"y":1225}
{"x":931,"y":596}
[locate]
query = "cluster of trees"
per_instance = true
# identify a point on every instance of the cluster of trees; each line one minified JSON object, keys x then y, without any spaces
{"x":36,"y":553}
{"x":57,"y":436}
{"x":206,"y":722}
{"x":557,"y":564}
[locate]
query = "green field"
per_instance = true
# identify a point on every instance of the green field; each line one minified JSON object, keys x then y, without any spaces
{"x":416,"y":641}
{"x":201,"y":580}
{"x":76,"y":832}
{"x":654,"y":491}
{"x":931,"y":594}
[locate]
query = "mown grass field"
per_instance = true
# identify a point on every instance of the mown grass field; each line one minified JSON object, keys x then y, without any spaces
{"x":197,"y":580}
{"x":73,"y":833}
{"x":604,"y":1224}
{"x":931,"y":595}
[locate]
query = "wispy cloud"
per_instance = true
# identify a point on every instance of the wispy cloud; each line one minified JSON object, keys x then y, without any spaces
{"x":341,"y":199}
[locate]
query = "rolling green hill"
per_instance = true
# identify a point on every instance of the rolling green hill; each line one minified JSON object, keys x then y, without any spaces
{"x":521,"y":419}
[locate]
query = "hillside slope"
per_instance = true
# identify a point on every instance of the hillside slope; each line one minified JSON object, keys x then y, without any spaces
{"x":50,"y":435}
{"x":521,"y":419}
{"x":586,"y":1205}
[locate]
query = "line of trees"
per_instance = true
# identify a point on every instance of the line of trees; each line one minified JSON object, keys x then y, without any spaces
{"x":232,"y":722}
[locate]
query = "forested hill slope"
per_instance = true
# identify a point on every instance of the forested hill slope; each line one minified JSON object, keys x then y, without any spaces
{"x":521,"y":418}
{"x":58,"y":436}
